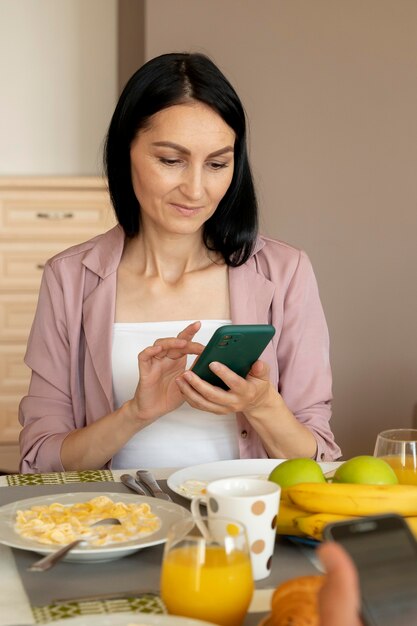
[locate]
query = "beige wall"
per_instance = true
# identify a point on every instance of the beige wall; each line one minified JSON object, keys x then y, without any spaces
{"x":330,"y":87}
{"x":58,"y":77}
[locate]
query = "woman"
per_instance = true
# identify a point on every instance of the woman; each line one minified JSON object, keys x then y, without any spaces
{"x":186,"y":248}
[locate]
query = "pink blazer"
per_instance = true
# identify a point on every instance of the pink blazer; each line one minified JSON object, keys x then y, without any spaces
{"x":69,"y":347}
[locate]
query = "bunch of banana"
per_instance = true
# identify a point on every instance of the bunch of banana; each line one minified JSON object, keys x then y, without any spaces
{"x":287,"y":520}
{"x":354,"y":499}
{"x":293,"y":520}
{"x":313,"y":525}
{"x":309,"y":507}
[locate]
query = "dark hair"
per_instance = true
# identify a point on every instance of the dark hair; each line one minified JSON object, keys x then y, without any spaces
{"x":162,"y":82}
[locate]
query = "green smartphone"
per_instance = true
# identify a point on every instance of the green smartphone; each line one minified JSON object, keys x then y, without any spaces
{"x":237,"y":345}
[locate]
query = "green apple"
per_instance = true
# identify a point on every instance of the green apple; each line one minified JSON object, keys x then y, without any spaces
{"x":294,"y":471}
{"x":365,"y":470}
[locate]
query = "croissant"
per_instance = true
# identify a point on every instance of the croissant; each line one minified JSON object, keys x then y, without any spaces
{"x":295,"y":602}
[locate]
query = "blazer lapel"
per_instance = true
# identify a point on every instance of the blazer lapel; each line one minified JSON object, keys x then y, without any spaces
{"x":99,"y":305}
{"x":250,"y":295}
{"x":98,"y":318}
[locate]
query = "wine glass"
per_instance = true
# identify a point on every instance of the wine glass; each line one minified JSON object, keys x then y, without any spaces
{"x":206,"y":571}
{"x":399,"y":448}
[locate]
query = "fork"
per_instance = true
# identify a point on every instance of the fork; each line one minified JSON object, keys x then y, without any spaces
{"x":51,"y":559}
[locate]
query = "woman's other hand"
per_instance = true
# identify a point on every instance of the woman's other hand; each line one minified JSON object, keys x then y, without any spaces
{"x":160,"y":365}
{"x":244,"y":394}
{"x":254,"y":396}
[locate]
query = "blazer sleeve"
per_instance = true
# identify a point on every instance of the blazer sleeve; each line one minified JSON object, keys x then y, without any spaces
{"x":305,"y":379}
{"x":46,"y":413}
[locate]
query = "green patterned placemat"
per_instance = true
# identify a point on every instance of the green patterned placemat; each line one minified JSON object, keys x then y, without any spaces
{"x":146,"y":603}
{"x":60,"y":478}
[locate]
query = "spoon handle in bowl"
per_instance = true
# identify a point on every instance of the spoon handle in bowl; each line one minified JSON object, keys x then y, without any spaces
{"x":51,"y":559}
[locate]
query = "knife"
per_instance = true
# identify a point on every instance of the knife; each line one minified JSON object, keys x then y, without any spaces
{"x":149,"y":481}
{"x":130,"y":482}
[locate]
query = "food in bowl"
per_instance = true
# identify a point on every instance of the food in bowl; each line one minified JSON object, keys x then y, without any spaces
{"x":59,"y":524}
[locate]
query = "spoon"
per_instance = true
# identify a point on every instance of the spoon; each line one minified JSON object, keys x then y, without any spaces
{"x":51,"y":559}
{"x":130,"y":482}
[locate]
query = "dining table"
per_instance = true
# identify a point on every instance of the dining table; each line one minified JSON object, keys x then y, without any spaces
{"x":129,"y":584}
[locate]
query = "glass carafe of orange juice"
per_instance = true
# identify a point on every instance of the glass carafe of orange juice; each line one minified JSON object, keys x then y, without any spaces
{"x":207,"y":576}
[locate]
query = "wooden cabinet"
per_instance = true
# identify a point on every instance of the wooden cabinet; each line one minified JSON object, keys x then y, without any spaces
{"x":38,"y":218}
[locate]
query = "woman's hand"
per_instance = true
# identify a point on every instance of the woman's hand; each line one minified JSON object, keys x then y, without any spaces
{"x":244,"y":394}
{"x":254,"y":396}
{"x":159,"y":366}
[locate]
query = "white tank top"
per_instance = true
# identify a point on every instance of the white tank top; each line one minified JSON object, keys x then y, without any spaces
{"x":183,"y":437}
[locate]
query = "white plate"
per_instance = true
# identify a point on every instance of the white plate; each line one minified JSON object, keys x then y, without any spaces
{"x":167,"y":511}
{"x":125,"y":619}
{"x":207,"y":472}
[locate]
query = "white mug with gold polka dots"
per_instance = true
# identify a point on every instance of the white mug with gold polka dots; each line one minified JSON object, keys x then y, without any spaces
{"x":252,"y":502}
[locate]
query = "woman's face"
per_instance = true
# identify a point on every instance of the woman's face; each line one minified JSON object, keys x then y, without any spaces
{"x":182,"y":165}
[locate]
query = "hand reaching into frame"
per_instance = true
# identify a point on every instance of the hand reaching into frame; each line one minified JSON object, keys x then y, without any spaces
{"x":160,"y":365}
{"x":339,"y":598}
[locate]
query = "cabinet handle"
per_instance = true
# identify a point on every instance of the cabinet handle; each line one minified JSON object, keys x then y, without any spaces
{"x":55,"y":216}
{"x":40,"y":266}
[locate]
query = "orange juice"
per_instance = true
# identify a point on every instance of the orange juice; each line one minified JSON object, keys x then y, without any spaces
{"x":405,"y":468}
{"x":207,"y":584}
